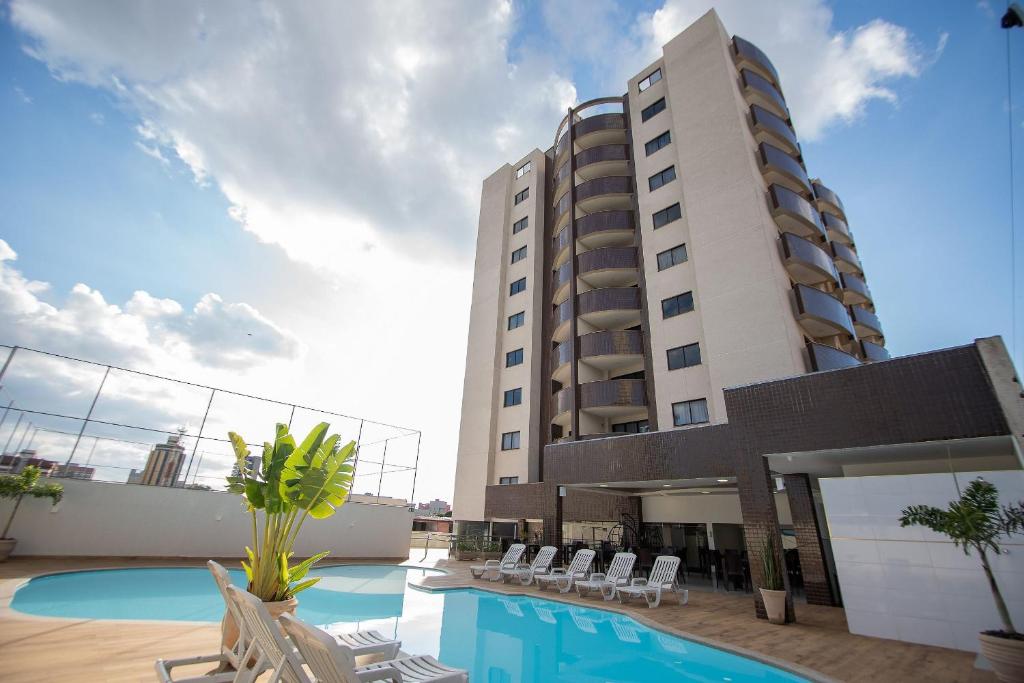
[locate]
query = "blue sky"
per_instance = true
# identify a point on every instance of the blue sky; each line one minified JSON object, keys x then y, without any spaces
{"x":921,"y":163}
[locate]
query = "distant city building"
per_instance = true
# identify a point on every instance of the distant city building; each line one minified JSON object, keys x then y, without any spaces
{"x":435,"y":507}
{"x":432,"y":524}
{"x":164,"y":464}
{"x":252,"y":461}
{"x":14,"y":464}
{"x":135,"y":477}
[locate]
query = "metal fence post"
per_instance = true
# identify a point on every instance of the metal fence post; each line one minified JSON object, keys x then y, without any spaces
{"x":22,"y":439}
{"x":6,"y":410}
{"x":85,"y":422}
{"x":416,"y":468}
{"x":383,"y":459}
{"x":13,"y":431}
{"x":291,"y":417}
{"x":355,"y":465}
{"x":7,"y":362}
{"x":200,"y":437}
{"x":32,"y":438}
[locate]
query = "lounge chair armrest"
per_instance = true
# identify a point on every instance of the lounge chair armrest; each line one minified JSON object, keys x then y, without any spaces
{"x":558,"y":571}
{"x":389,"y":673}
{"x":523,"y":565}
{"x":492,"y":563}
{"x":598,"y":577}
{"x":622,"y":581}
{"x":638,"y":582}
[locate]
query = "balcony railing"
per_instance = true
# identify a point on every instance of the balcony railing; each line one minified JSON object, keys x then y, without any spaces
{"x":608,"y":258}
{"x":560,"y":241}
{"x":829,"y":198}
{"x":561,"y":355}
{"x":613,"y":393}
{"x":600,"y":122}
{"x":865,"y":322}
{"x":759,"y":90}
{"x":873,"y":352}
{"x":806,"y":262}
{"x":779,"y":167}
{"x":601,"y":153}
{"x":562,"y":313}
{"x":606,"y":185}
{"x":836,"y":227}
{"x":846,"y":258}
{"x":855,"y":290}
{"x":829,"y":358}
{"x":769,"y":127}
{"x":793,"y":213}
{"x":561,"y":401}
{"x":612,"y":343}
{"x":560,"y":281}
{"x":609,"y":299}
{"x":605,"y":221}
{"x":746,"y":54}
{"x":821,"y":314}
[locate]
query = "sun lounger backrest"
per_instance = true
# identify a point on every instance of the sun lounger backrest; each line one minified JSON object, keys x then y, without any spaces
{"x":581,"y":561}
{"x":329,"y":662}
{"x":271,"y":642}
{"x":544,"y":557}
{"x":664,"y":570}
{"x":512,"y":555}
{"x":621,"y":566}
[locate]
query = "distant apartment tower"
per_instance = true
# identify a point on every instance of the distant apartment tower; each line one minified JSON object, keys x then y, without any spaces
{"x":669,"y":244}
{"x":435,"y":507}
{"x":164,"y":464}
{"x":253,"y":463}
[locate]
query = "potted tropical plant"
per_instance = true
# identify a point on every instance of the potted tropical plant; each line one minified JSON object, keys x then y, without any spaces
{"x":293,"y":483}
{"x":16,"y":487}
{"x":773,"y":590}
{"x":978,"y":522}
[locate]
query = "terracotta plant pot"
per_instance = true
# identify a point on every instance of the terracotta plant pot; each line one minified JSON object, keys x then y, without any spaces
{"x":1006,"y":655}
{"x":774,"y":605}
{"x":7,"y":547}
{"x":229,"y":629}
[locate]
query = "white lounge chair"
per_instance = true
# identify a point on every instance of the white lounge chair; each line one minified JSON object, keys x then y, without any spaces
{"x":618,"y":574}
{"x":661,"y":581}
{"x":494,"y":567}
{"x":526,"y":573}
{"x":330,"y":663}
{"x":563,"y":577}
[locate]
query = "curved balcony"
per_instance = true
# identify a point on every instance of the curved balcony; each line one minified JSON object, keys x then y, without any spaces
{"x":604,"y":194}
{"x":610,"y":308}
{"x":613,"y":397}
{"x":774,"y":129}
{"x":562,"y":146}
{"x":560,"y":180}
{"x":829,"y":358}
{"x":601,"y":129}
{"x":866,"y":323}
{"x":820,"y":314}
{"x":612,"y":349}
{"x":855,"y":290}
{"x":609,"y":267}
{"x":561,"y":211}
{"x":806,"y":262}
{"x":759,"y":90}
{"x":747,"y":55}
{"x":836,"y":228}
{"x":561,"y":316}
{"x":782,"y":169}
{"x":602,"y":160}
{"x":828,"y":200}
{"x":560,"y":246}
{"x":873,"y":352}
{"x":561,"y":407}
{"x":561,"y":357}
{"x":605,"y":229}
{"x":794,"y":214}
{"x":560,"y":279}
{"x":846,"y":258}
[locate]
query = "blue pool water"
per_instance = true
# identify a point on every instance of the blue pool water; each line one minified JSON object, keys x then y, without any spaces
{"x":500,"y":639}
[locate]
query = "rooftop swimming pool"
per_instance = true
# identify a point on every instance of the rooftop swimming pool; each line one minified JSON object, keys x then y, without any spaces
{"x":500,"y":639}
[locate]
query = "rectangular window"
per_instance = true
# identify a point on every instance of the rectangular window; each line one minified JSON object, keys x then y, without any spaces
{"x":523,"y":170}
{"x":677,"y":305}
{"x":519,"y":254}
{"x":649,"y":112}
{"x":517,"y":320}
{"x":520,"y":196}
{"x":651,"y":79}
{"x":505,"y":481}
{"x":517,"y":286}
{"x":513,"y":397}
{"x":520,"y":225}
{"x":637,"y":427}
{"x":514,"y":358}
{"x":510,"y":441}
{"x":672,"y":257}
{"x":657,"y":143}
{"x":684,"y":356}
{"x":667,"y":215}
{"x":690,"y":412}
{"x":659,"y":179}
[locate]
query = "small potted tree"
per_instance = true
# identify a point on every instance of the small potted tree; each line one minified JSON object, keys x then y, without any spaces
{"x":773,"y":590}
{"x":17,"y":486}
{"x":978,"y":522}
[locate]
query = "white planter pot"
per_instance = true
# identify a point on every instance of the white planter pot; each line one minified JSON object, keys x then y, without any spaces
{"x":774,"y":605}
{"x":1006,"y":655}
{"x":7,"y":547}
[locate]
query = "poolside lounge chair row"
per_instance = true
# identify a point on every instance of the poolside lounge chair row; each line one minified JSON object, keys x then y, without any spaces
{"x":617,"y":582}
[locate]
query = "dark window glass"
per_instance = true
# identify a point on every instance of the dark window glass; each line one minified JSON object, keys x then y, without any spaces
{"x":659,"y":179}
{"x":513,"y":397}
{"x":509,"y":441}
{"x":676,"y":305}
{"x":667,"y":215}
{"x":653,"y":78}
{"x":690,"y":412}
{"x":517,"y":286}
{"x":672,"y":257}
{"x":637,"y":427}
{"x":684,"y":356}
{"x":513,"y":358}
{"x":520,"y":196}
{"x":657,"y":143}
{"x":516,"y":320}
{"x":505,"y":481}
{"x":653,"y":110}
{"x":519,"y":254}
{"x":524,"y":169}
{"x":520,"y":225}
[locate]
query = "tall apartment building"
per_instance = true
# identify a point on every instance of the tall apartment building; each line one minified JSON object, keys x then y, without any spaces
{"x":164,"y":463}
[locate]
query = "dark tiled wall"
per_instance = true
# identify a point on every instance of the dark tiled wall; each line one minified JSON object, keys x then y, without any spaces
{"x":812,"y":554}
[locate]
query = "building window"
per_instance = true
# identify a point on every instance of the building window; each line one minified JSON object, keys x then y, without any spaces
{"x":677,"y":305}
{"x":510,"y":441}
{"x":649,"y":112}
{"x":517,"y":286}
{"x":657,"y":143}
{"x":637,"y":427}
{"x":523,"y":170}
{"x":517,"y":320}
{"x":690,"y":412}
{"x":667,"y":215}
{"x":659,"y":179}
{"x":520,"y":225}
{"x":516,"y":358}
{"x":672,"y":257}
{"x":684,"y":356}
{"x":519,"y":254}
{"x":505,"y":481}
{"x":520,"y":196}
{"x":651,"y":79}
{"x":513,"y":397}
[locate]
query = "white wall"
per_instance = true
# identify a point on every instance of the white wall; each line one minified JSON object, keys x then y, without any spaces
{"x":911,"y":584}
{"x":695,"y":508}
{"x":98,"y":518}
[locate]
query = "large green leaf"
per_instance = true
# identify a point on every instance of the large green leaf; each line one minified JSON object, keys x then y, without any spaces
{"x":320,"y":482}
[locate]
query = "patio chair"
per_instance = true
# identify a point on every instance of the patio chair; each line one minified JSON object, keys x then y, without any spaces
{"x":563,"y":577}
{"x":494,"y":567}
{"x":331,"y":663}
{"x":662,"y":580}
{"x":526,"y":573}
{"x":618,"y":574}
